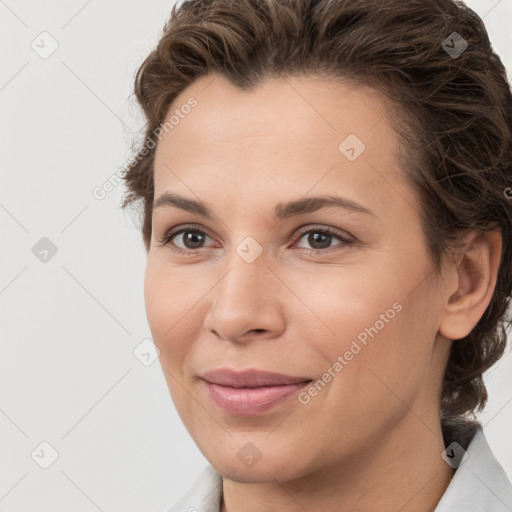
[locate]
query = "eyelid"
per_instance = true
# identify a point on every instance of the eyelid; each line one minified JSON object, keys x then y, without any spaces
{"x":177,"y":230}
{"x":344,"y":235}
{"x":346,"y":238}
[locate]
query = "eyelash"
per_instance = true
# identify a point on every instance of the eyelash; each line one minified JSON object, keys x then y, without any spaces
{"x":299,"y":234}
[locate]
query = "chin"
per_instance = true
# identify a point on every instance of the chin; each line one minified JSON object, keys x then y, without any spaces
{"x":277,"y":466}
{"x":258,"y":474}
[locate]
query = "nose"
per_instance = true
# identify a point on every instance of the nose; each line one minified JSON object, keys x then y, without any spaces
{"x":246,"y":303}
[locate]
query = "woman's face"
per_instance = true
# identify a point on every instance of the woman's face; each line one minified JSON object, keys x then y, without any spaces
{"x":355,"y":310}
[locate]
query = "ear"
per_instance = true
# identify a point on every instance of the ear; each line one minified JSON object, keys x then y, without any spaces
{"x":472,"y":280}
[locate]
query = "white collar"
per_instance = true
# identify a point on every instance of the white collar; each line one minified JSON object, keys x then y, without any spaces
{"x":479,"y":483}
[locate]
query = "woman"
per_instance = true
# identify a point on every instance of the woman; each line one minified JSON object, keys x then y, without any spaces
{"x":329,"y":235}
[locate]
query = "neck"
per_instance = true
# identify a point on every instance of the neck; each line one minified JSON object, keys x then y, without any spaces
{"x":402,"y":470}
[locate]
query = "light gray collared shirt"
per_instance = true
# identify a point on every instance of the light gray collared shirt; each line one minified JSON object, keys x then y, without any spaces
{"x":479,"y":484}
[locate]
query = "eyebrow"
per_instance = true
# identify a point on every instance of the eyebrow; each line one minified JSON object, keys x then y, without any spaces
{"x":281,"y":210}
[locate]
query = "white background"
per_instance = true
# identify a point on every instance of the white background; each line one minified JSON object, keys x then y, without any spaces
{"x":69,"y":326}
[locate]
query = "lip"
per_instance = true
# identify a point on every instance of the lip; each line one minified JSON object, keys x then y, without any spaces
{"x":251,"y":378}
{"x":250,"y":392}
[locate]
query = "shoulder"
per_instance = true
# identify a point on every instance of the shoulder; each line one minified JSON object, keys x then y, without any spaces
{"x":204,"y":495}
{"x":479,"y":483}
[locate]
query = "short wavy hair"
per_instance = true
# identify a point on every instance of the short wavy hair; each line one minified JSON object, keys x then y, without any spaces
{"x":453,"y":118}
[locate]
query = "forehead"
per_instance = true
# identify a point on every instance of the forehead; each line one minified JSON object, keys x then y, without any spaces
{"x":294,"y":132}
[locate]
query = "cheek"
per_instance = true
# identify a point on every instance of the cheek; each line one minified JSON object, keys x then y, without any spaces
{"x":346,"y":302}
{"x":370,"y":321}
{"x":169,"y":309}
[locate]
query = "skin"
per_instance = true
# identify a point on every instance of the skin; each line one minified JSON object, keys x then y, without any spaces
{"x":377,"y":422}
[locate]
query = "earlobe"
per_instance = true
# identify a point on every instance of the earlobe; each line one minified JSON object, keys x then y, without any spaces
{"x":475,"y":274}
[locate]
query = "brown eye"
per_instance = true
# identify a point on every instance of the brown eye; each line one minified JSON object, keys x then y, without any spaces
{"x":185,"y":239}
{"x":320,"y":239}
{"x":191,"y":239}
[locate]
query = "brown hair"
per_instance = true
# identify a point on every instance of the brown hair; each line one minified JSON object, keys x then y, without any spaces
{"x":453,"y":117}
